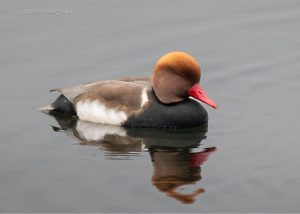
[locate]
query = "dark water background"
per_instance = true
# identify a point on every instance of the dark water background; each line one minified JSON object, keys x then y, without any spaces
{"x":250,"y":55}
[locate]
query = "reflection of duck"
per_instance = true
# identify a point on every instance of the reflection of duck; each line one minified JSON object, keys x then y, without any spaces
{"x":175,"y":168}
{"x":174,"y":162}
{"x":138,"y":102}
{"x":109,"y":138}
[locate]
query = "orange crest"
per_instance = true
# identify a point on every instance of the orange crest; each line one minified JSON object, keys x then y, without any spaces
{"x":181,"y":64}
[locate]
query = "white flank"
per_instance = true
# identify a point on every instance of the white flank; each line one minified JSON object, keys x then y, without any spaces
{"x":96,"y":112}
{"x":144,"y":97}
{"x":96,"y":132}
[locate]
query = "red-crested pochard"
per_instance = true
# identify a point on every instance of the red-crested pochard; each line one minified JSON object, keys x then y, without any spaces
{"x":168,"y":100}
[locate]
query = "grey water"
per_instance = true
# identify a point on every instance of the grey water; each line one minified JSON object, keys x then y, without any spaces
{"x":247,"y":158}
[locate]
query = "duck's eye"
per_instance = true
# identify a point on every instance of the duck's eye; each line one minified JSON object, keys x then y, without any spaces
{"x":185,"y":76}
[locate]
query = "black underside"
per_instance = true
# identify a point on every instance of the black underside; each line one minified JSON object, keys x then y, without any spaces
{"x":187,"y":113}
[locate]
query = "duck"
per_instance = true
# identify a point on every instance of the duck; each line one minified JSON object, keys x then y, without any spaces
{"x":171,"y":98}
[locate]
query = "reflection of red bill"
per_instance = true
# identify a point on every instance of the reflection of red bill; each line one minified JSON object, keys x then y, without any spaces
{"x":198,"y":158}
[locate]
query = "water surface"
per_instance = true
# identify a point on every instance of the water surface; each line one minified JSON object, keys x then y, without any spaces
{"x":246,"y":160}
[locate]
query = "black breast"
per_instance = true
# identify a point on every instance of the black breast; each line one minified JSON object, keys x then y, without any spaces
{"x":187,"y":113}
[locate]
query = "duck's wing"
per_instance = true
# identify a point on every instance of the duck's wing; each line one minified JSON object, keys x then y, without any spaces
{"x":115,"y":94}
{"x":74,"y":91}
{"x":136,"y":79}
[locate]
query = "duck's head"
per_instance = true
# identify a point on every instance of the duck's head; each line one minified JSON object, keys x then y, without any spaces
{"x":176,"y":76}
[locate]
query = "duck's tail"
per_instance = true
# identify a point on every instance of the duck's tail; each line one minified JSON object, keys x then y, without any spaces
{"x":60,"y":106}
{"x":46,"y":109}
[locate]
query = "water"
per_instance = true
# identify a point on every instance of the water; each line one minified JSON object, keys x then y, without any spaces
{"x":249,"y":52}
